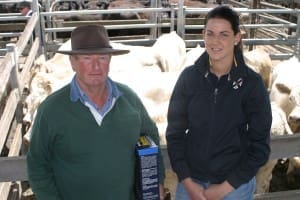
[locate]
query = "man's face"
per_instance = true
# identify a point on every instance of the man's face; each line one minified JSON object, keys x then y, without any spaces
{"x":91,"y":69}
{"x":24,"y":10}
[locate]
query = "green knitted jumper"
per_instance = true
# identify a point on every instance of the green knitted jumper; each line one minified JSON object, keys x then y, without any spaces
{"x":71,"y":157}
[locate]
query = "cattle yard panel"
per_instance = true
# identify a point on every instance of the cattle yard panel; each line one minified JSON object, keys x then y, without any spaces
{"x":176,"y":21}
{"x":58,"y":26}
{"x":179,"y":23}
{"x":13,"y":167}
{"x":12,"y":24}
{"x":14,"y":75}
{"x":287,"y":39}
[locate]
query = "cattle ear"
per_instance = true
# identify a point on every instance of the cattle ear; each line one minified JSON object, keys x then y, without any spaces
{"x":283,"y":88}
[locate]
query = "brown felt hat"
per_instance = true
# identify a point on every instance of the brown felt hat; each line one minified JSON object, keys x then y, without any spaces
{"x":91,"y":39}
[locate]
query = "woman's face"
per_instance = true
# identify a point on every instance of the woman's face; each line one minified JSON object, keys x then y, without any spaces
{"x":220,"y":40}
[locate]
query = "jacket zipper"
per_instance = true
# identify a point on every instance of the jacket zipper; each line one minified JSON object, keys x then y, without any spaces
{"x":215,"y":90}
{"x":215,"y":95}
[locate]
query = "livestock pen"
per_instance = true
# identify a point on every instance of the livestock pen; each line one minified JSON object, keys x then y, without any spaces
{"x":15,"y":75}
{"x":263,"y":21}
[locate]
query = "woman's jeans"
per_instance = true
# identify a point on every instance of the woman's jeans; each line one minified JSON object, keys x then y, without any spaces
{"x":244,"y":192}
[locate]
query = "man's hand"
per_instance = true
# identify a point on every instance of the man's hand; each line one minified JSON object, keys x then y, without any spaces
{"x":161,"y":192}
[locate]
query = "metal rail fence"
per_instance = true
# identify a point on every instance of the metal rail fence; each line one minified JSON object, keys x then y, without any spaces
{"x":178,"y":21}
{"x":13,"y":167}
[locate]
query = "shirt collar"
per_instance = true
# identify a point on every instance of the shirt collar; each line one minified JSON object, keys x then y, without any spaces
{"x":78,"y":94}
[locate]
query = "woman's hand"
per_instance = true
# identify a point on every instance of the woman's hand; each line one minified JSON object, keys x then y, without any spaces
{"x":218,"y":191}
{"x":195,"y":191}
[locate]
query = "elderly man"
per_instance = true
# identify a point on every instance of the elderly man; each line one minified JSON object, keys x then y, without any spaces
{"x":84,"y":135}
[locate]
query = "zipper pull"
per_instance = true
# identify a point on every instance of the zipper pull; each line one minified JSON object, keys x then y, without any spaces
{"x":215,"y":95}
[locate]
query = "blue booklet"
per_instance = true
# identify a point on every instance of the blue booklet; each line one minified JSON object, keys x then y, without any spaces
{"x":147,"y":183}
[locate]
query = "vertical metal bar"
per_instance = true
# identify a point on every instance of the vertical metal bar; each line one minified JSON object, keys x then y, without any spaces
{"x":37,"y":29}
{"x":181,"y":19}
{"x":253,"y":19}
{"x":159,"y":19}
{"x":153,"y":18}
{"x":14,"y":80}
{"x":172,"y":20}
{"x":297,"y":46}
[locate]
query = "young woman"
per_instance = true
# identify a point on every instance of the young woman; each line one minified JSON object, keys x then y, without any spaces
{"x":219,"y":118}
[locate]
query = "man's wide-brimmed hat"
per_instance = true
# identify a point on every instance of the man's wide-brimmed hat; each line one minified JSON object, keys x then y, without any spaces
{"x":91,"y":39}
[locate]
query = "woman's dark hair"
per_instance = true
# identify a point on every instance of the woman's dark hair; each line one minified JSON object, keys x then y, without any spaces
{"x":225,"y":12}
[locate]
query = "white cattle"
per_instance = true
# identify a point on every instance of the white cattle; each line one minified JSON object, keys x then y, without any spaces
{"x":264,"y":176}
{"x":141,"y":69}
{"x":285,"y":90}
{"x":139,"y":58}
{"x":154,"y":88}
{"x":170,"y":51}
{"x":285,"y":72}
{"x":47,"y":77}
{"x":279,"y":127}
{"x":294,"y":116}
{"x":192,"y":55}
{"x":260,"y":61}
{"x":293,"y":170}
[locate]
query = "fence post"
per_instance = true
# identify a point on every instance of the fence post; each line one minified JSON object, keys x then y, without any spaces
{"x":172,"y":17}
{"x":14,"y":80}
{"x":37,"y":29}
{"x":253,"y":20}
{"x":297,"y":46}
{"x":153,"y":31}
{"x":181,"y":19}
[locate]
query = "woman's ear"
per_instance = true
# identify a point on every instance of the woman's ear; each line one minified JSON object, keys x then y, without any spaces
{"x":237,"y":38}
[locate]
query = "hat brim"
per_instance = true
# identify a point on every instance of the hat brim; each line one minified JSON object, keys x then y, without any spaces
{"x":114,"y":52}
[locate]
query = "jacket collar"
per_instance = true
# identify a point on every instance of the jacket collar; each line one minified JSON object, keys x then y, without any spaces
{"x":236,"y":72}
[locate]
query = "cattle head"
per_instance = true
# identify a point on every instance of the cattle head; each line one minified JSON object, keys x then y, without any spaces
{"x":292,"y":105}
{"x":294,"y":116}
